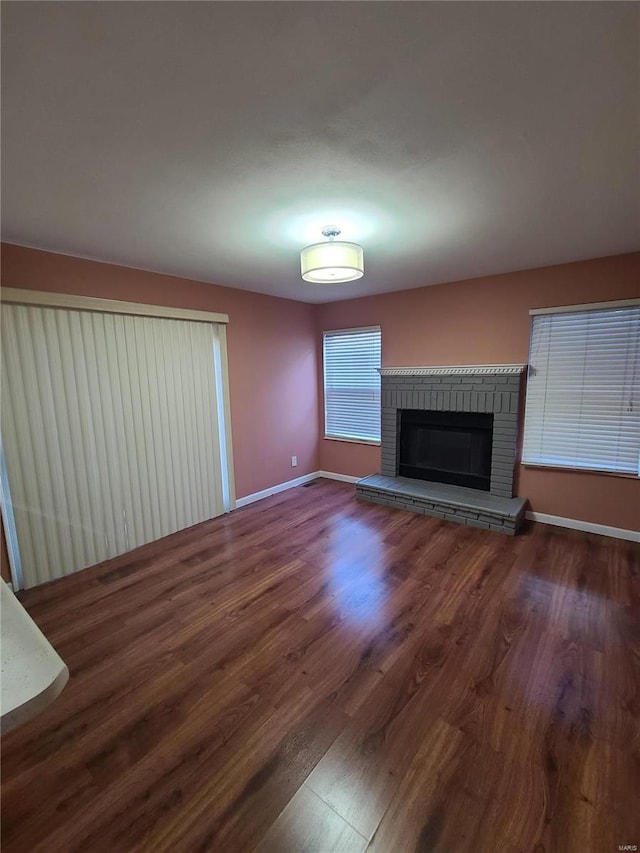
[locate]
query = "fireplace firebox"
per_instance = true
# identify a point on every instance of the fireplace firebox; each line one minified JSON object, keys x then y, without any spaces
{"x":445,"y":447}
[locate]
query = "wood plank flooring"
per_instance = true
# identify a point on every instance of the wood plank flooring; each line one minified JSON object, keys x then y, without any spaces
{"x":315,"y":674}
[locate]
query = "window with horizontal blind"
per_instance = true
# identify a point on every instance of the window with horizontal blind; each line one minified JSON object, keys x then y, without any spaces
{"x":352,"y":384}
{"x":583,"y":390}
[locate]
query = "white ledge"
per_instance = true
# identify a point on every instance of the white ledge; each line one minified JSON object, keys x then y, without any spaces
{"x":456,"y":369}
{"x":33,"y":673}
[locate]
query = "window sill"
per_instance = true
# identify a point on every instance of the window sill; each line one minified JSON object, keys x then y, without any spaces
{"x":600,"y":472}
{"x":352,"y":440}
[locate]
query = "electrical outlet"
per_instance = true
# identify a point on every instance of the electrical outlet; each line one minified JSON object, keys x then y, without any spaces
{"x":294,"y":461}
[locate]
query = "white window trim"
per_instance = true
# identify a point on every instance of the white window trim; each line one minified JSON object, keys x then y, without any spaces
{"x":353,"y":440}
{"x":588,"y":306}
{"x":351,"y":329}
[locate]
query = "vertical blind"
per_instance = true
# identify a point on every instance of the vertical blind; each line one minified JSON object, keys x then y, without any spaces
{"x":583,"y":390}
{"x":352,"y":383}
{"x":111,"y":433}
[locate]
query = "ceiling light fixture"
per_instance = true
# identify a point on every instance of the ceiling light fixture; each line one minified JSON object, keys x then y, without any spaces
{"x":333,"y":262}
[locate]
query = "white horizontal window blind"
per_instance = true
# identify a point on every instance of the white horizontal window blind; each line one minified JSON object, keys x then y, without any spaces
{"x":583,"y":391}
{"x":352,"y":384}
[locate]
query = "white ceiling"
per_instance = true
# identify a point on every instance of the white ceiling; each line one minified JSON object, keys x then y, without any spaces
{"x":214,"y":140}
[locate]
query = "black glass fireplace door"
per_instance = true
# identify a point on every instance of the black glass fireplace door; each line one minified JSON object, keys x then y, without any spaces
{"x":446,"y":447}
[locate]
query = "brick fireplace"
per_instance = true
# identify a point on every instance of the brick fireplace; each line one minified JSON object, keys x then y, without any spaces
{"x":491,"y":392}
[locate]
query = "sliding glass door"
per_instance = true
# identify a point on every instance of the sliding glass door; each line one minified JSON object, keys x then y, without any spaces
{"x":113,"y":432}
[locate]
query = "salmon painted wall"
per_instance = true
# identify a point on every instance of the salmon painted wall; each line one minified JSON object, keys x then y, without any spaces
{"x":484,"y":321}
{"x":271,"y":346}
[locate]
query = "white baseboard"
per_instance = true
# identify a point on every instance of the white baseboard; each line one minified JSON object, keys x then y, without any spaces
{"x":344,"y":478}
{"x":299,"y":481}
{"x":273,"y":490}
{"x":587,"y":526}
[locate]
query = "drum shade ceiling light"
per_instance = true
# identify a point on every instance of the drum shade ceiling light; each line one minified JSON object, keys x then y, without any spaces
{"x":333,"y":262}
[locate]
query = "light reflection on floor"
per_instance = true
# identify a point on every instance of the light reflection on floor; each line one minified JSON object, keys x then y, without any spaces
{"x":567,"y":625}
{"x":355,"y":569}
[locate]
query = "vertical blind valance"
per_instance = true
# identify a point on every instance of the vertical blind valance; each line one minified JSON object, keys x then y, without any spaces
{"x":583,"y":391}
{"x":352,"y":383}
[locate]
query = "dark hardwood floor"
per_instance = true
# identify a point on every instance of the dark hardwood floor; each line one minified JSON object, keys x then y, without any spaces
{"x":311,"y":673}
